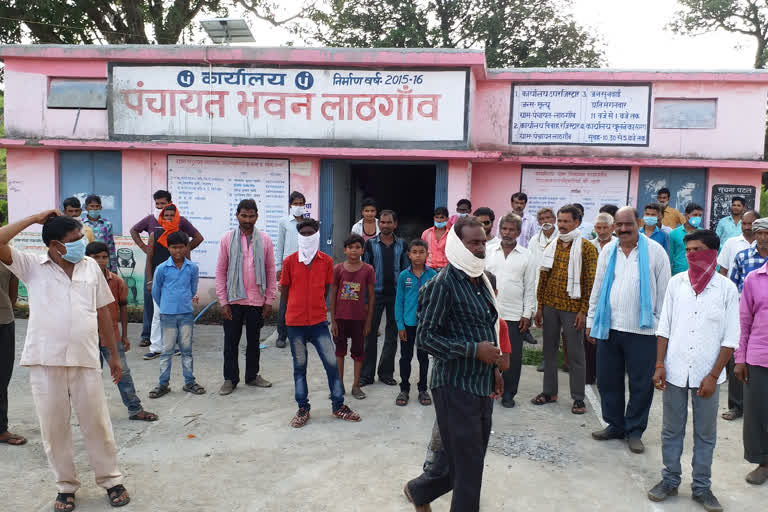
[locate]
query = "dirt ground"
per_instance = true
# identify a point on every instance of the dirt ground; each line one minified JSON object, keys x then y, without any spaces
{"x":244,"y":456}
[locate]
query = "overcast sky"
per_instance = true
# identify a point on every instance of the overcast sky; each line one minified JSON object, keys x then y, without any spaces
{"x":634,"y":32}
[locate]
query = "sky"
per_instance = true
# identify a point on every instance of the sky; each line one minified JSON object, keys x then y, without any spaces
{"x":634,"y":33}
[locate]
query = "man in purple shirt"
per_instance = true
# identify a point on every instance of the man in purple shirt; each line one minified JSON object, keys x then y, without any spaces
{"x":752,"y":369}
{"x":148,"y":225}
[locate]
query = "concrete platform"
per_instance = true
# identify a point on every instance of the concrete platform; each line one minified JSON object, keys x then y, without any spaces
{"x":244,"y":456}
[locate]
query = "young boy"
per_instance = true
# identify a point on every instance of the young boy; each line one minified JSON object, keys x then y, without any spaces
{"x":436,"y":237}
{"x":287,"y":244}
{"x":406,"y":301}
{"x":305,"y":281}
{"x":174,"y":290}
{"x":101,"y":227}
{"x":119,"y":310}
{"x":697,"y":333}
{"x":350,"y":318}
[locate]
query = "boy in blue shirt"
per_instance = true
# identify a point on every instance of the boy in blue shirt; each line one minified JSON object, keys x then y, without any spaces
{"x":406,"y":302}
{"x":174,"y":289}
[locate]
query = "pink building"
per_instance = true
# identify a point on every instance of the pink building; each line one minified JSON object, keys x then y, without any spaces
{"x":414,"y":129}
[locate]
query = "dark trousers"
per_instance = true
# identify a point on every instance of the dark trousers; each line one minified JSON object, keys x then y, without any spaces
{"x":7,"y":354}
{"x":735,"y":388}
{"x":406,"y":356}
{"x":756,"y":415}
{"x":149,"y":311}
{"x":282,"y":329}
{"x":636,"y":353}
{"x":465,"y":427}
{"x":512,"y":376}
{"x":590,"y":361}
{"x":386,"y":368}
{"x":233,"y":330}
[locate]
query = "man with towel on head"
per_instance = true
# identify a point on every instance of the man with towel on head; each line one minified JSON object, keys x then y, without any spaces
{"x":623,"y":322}
{"x":458,"y":326}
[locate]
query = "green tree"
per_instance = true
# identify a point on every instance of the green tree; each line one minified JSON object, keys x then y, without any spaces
{"x":521,"y":33}
{"x":747,"y":17}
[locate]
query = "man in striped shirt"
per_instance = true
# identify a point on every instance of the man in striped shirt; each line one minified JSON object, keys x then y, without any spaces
{"x":457,"y":326}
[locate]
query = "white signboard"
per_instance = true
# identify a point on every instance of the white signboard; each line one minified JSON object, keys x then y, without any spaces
{"x":225,"y":103}
{"x":207,"y":190}
{"x":580,"y":114}
{"x":592,"y":188}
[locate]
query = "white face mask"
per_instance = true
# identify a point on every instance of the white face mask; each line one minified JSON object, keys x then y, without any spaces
{"x":308,"y":246}
{"x":297,"y":211}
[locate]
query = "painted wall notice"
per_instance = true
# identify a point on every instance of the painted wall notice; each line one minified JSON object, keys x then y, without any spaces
{"x":207,"y":191}
{"x":223,"y":103}
{"x":722,"y":196}
{"x":553,"y":188}
{"x":580,"y":114}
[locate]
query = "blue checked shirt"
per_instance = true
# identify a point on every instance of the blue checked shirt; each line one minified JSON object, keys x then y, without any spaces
{"x":745,"y":262}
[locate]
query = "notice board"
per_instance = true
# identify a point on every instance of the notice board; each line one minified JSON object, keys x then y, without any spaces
{"x":553,"y":188}
{"x":207,"y":190}
{"x":722,"y":195}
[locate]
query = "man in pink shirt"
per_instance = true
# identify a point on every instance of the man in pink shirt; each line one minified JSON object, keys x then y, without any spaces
{"x":245,"y":287}
{"x":752,"y":369}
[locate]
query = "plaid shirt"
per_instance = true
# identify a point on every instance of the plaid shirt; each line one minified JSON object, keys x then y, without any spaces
{"x":102,"y":232}
{"x":745,"y":262}
{"x":553,"y":283}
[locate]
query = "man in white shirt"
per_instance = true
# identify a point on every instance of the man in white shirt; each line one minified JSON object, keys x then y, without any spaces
{"x":697,"y":333}
{"x":519,"y":201}
{"x":68,"y":299}
{"x":515,"y":281}
{"x":547,"y":232}
{"x":623,"y":322}
{"x":486,"y":217}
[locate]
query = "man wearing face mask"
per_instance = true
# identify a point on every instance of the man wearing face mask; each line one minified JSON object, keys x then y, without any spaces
{"x":693,"y":217}
{"x":68,"y":304}
{"x":287,"y":244}
{"x":458,"y":326}
{"x":670,"y":216}
{"x":435,"y":238}
{"x":305,"y":281}
{"x":651,"y":227}
{"x":101,"y":227}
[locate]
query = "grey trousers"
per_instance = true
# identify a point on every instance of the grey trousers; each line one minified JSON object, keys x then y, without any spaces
{"x":555,"y":321}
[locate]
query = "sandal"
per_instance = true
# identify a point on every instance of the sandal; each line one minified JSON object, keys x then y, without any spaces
{"x":358,"y":393}
{"x":159,"y":391}
{"x":578,"y":407}
{"x":143,"y":416}
{"x":402,"y":399}
{"x":424,"y":398}
{"x":67,"y":499}
{"x":732,"y":414}
{"x":543,"y":398}
{"x":118,"y":496}
{"x":345,"y":413}
{"x":194,"y":388}
{"x":13,"y":440}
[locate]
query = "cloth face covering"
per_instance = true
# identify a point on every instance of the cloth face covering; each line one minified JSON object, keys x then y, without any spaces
{"x":297,"y":211}
{"x":701,"y":268}
{"x":308,"y":246}
{"x":168,"y":226}
{"x":574,"y":261}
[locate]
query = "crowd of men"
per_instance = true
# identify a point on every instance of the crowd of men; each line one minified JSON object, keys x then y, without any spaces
{"x":634,"y":293}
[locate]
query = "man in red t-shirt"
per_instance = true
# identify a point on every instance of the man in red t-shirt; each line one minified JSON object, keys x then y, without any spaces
{"x":305,"y":280}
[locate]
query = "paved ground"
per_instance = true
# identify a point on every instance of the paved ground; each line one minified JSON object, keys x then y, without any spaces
{"x":245,"y":457}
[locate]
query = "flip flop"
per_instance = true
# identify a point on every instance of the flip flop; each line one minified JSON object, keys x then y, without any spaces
{"x":14,"y":440}
{"x":64,"y":499}
{"x":114,"y":493}
{"x":143,"y":416}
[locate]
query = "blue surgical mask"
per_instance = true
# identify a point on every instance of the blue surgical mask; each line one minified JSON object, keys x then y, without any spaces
{"x":440,"y":225}
{"x":650,"y":220}
{"x":695,"y":221}
{"x":462,"y":214}
{"x":94,"y":214}
{"x":75,"y":251}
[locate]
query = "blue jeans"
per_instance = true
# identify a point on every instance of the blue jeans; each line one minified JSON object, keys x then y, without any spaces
{"x":149,"y":310}
{"x":704,"y":435}
{"x":319,"y":336}
{"x":127,"y":390}
{"x":177,"y":328}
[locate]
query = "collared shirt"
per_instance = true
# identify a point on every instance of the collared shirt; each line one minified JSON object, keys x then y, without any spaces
{"x":120,"y":293}
{"x":252,"y":290}
{"x":528,"y":230}
{"x":373,"y":255}
{"x":102,"y":232}
{"x":407,"y":298}
{"x":596,"y":243}
{"x":677,"y":250}
{"x":672,"y":218}
{"x":727,"y":229}
{"x":753,"y":345}
{"x":625,"y":295}
{"x":173,"y":287}
{"x":745,"y":262}
{"x":306,"y":289}
{"x":659,"y":237}
{"x":63,"y":327}
{"x":730,"y":249}
{"x":515,"y":281}
{"x":666,"y":229}
{"x":553,"y":283}
{"x":287,"y":240}
{"x":697,"y":327}
{"x":455,"y":314}
{"x":436,"y":256}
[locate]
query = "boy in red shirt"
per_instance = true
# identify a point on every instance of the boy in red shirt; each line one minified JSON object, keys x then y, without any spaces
{"x":350,"y":318}
{"x":305,"y":280}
